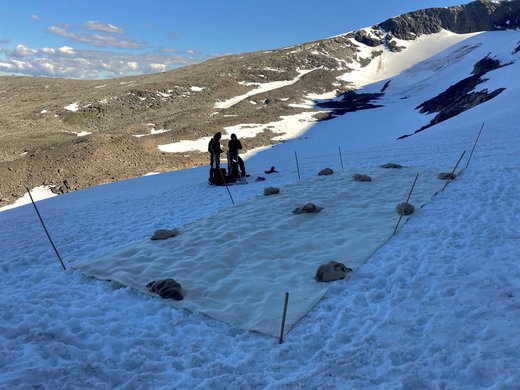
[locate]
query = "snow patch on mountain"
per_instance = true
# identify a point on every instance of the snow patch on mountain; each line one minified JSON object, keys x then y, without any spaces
{"x":153,"y":131}
{"x":389,"y":64}
{"x":72,"y":107}
{"x":261,"y":88}
{"x":200,"y":145}
{"x":37,"y":193}
{"x":287,"y":127}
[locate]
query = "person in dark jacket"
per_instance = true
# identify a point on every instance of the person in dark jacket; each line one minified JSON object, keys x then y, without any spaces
{"x":214,"y":150}
{"x":234,"y":159}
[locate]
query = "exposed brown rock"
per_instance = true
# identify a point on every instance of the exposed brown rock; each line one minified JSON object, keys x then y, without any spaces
{"x":405,"y":208}
{"x":271,"y":191}
{"x":361,"y":177}
{"x":331,"y":271}
{"x":307,"y":208}
{"x":326,"y":172}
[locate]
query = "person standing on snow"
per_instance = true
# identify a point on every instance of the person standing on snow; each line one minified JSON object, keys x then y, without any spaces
{"x":234,"y":160}
{"x":214,"y":150}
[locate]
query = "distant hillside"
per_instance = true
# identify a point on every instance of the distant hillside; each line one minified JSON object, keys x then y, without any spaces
{"x":70,"y":134}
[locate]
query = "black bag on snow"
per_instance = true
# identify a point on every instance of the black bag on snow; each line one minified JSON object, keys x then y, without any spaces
{"x":217,"y":176}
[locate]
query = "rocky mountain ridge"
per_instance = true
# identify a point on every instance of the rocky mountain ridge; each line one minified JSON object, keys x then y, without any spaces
{"x":484,"y":15}
{"x":44,"y":122}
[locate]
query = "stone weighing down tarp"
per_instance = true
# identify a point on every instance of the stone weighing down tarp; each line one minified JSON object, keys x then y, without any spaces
{"x":236,"y":265}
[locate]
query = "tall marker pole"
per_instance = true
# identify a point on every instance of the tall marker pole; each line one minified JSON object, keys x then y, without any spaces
{"x":44,"y":228}
{"x":452,"y":172}
{"x":474,"y":145}
{"x":284,"y":316}
{"x":297,"y":165}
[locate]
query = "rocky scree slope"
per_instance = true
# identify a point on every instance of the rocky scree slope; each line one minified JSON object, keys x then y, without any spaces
{"x":39,"y":129}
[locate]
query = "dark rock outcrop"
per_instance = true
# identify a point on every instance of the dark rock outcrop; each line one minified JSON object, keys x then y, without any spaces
{"x":391,"y":44}
{"x":456,"y":99}
{"x":351,"y":101}
{"x":517,"y":48}
{"x":472,"y":17}
{"x":387,"y":84}
{"x":485,"y":65}
{"x":460,"y":96}
{"x":363,"y":37}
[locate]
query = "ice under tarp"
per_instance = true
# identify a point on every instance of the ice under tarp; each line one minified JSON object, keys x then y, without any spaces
{"x":237,"y":264}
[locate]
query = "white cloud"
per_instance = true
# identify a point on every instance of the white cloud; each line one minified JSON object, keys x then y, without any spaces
{"x":89,"y":64}
{"x":158,"y":67}
{"x":133,"y":65}
{"x":35,"y":17}
{"x":178,"y":51}
{"x":106,"y":27}
{"x":96,"y":40}
{"x":7,"y":66}
{"x":51,"y":68}
{"x":66,"y":50}
{"x":23,"y":51}
{"x":23,"y":65}
{"x":76,"y":62}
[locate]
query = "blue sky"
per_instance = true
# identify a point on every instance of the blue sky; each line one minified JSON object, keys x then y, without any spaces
{"x":110,"y":38}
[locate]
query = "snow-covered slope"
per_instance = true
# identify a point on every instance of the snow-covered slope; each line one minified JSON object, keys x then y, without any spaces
{"x":436,"y":307}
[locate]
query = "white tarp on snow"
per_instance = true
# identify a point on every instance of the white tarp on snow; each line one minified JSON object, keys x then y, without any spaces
{"x":232,"y":265}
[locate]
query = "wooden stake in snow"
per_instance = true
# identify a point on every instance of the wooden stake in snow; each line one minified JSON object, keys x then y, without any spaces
{"x":453,"y":172}
{"x":407,"y":199}
{"x":340,"y":157}
{"x":297,"y":165}
{"x":44,"y":228}
{"x":474,"y":145}
{"x":284,"y":316}
{"x":227,"y":188}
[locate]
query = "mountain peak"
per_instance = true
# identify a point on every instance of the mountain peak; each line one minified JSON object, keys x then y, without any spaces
{"x":481,"y":15}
